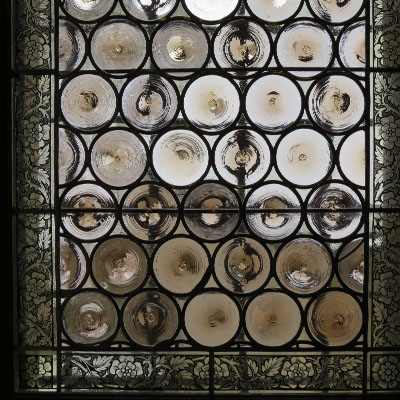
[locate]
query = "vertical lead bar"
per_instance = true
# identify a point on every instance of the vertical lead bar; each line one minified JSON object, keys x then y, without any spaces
{"x":368,"y":175}
{"x":56,"y":196}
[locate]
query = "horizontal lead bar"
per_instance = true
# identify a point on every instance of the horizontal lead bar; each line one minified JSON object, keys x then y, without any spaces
{"x":365,"y":209}
{"x":234,"y":69}
{"x":210,"y":211}
{"x":16,"y":72}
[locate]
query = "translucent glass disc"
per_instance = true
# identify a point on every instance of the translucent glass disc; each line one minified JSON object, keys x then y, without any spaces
{"x":334,"y":318}
{"x":273,"y":10}
{"x":148,"y":225}
{"x":211,"y":103}
{"x":242,"y":265}
{"x":336,"y":103}
{"x":180,"y":157}
{"x":334,"y":224}
{"x":240,"y":44}
{"x":179,"y":45}
{"x":87,"y":10}
{"x":212,"y":318}
{"x":71,"y":46}
{"x":273,"y":225}
{"x":273,"y":319}
{"x":118,"y":158}
{"x":352,"y":47}
{"x":273,"y":103}
{"x":304,"y":44}
{"x":88,"y":102}
{"x":118,"y":45}
{"x":89,"y":317}
{"x":352,"y":157}
{"x":72,"y":264}
{"x":242,"y":157}
{"x":336,"y":11}
{"x":150,"y":318}
{"x":119,"y":265}
{"x":304,"y":157}
{"x":303,"y":266}
{"x":87,"y":225}
{"x":351,"y":265}
{"x":180,"y":264}
{"x":149,"y":10}
{"x":149,"y":102}
{"x":211,"y":197}
{"x":211,"y":10}
{"x":71,"y":156}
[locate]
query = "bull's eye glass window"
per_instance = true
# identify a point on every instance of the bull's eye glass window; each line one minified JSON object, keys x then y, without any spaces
{"x":206,"y":197}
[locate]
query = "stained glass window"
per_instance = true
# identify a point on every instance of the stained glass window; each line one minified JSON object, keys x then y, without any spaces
{"x":206,"y":196}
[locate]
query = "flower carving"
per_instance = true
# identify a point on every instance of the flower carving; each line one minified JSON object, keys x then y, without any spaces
{"x":386,"y":372}
{"x":35,"y":287}
{"x":387,"y":288}
{"x":297,"y":372}
{"x":387,"y":50}
{"x":201,"y":369}
{"x":125,"y":369}
{"x":36,"y":371}
{"x":220,"y":369}
{"x":34,"y":199}
{"x":389,"y":132}
{"x":34,"y":51}
{"x":33,"y":30}
{"x":35,"y":132}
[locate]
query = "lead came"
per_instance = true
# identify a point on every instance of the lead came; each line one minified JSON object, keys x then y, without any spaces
{"x":212,"y":183}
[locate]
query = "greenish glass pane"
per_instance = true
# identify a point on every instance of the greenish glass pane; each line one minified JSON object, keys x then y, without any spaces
{"x":33,"y":34}
{"x":37,"y":371}
{"x":283,"y":372}
{"x":141,"y":372}
{"x":386,"y":125}
{"x":386,"y":33}
{"x":35,"y":280}
{"x":386,"y":280}
{"x":384,"y":372}
{"x":33,"y":145}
